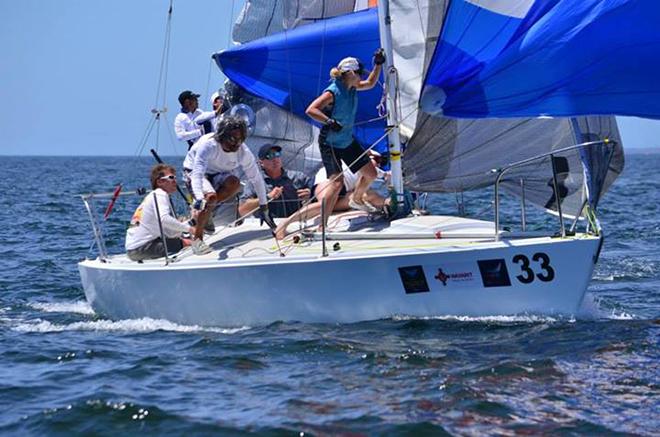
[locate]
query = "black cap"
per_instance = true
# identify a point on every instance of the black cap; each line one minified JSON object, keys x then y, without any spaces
{"x":263,"y":150}
{"x":187,"y":94}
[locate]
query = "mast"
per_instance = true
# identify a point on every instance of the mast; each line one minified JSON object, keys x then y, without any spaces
{"x":393,"y":116}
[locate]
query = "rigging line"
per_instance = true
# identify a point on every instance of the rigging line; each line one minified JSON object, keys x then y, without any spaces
{"x":371,"y":120}
{"x":288,"y":69}
{"x":421,"y":19}
{"x":169,"y":132}
{"x":229,"y":28}
{"x":208,"y":80}
{"x":158,"y":125}
{"x":145,"y":136}
{"x":318,"y":84}
{"x":164,"y":61}
{"x":229,"y":41}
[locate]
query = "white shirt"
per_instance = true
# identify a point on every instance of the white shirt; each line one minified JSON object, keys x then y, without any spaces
{"x":207,"y":157}
{"x":144,"y":224}
{"x":188,"y":126}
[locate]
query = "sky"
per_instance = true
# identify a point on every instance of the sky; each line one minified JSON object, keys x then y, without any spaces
{"x":79,"y":77}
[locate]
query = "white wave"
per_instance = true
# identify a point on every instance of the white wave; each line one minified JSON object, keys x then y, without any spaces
{"x":523,"y":318}
{"x":78,"y":307}
{"x":621,"y":315}
{"x":608,"y":278}
{"x":131,"y":325}
{"x":591,"y":308}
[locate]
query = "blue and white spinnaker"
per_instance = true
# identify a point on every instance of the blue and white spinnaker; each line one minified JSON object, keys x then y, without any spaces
{"x":524,"y":58}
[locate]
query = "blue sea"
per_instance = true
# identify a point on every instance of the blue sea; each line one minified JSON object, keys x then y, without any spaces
{"x":65,"y":370}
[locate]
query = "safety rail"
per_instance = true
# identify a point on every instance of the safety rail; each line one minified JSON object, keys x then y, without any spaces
{"x":88,"y":200}
{"x":501,"y":171}
{"x":99,"y":239}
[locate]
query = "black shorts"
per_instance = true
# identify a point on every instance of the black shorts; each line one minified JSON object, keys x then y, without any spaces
{"x":353,"y":156}
{"x":155,"y":249}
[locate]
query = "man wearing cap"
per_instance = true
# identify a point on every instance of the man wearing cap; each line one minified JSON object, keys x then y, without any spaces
{"x":211,"y":171}
{"x":336,"y":108}
{"x":287,"y":189}
{"x":191,"y":123}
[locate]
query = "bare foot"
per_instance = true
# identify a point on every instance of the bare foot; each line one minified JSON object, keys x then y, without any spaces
{"x":280,"y":232}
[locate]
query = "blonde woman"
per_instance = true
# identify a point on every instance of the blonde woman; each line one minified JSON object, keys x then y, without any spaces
{"x":335,"y":108}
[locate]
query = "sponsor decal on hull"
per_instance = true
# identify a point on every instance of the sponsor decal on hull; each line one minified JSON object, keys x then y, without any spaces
{"x":413,"y":279}
{"x":453,"y":277}
{"x":494,"y":272}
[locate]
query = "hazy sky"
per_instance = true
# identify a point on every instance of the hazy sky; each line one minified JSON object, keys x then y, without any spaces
{"x":79,"y":77}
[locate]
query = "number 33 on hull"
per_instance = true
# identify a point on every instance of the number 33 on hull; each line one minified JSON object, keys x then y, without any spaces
{"x":536,"y":276}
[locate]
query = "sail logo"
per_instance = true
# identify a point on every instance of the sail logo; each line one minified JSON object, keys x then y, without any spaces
{"x":413,"y":279}
{"x":494,"y":272}
{"x":453,"y":276}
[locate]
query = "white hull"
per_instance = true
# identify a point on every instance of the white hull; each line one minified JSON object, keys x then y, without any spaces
{"x":363,"y":281}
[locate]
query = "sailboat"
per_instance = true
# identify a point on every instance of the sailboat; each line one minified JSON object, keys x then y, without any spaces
{"x":482,"y":93}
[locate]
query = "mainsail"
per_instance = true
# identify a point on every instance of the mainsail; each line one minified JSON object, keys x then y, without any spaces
{"x":290,"y":68}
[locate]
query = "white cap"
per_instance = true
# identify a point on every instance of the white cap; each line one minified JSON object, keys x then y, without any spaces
{"x":349,"y":64}
{"x":214,"y":96}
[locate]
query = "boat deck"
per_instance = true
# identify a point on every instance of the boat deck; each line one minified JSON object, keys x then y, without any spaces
{"x":349,"y":235}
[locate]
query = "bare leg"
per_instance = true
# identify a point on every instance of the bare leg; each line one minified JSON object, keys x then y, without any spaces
{"x":375,"y":199}
{"x":367,"y":175}
{"x":229,"y":188}
{"x":323,"y":191}
{"x":329,"y":193}
{"x":308,"y":212}
{"x":203,"y":216}
{"x":342,"y":204}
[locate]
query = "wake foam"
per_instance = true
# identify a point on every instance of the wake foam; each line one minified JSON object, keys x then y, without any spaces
{"x":79,"y":307}
{"x":522,"y":318}
{"x":144,"y":325}
{"x":592,"y":309}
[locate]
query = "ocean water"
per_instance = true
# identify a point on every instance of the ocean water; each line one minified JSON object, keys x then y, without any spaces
{"x":65,"y":370}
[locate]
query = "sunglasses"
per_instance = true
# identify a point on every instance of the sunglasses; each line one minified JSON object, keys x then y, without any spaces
{"x":233,"y":141}
{"x":170,"y":177}
{"x":273,"y":154}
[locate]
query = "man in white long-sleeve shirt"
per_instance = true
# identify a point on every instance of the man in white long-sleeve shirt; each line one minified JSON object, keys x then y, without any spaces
{"x":191,"y":123}
{"x":211,"y":168}
{"x":143,"y":237}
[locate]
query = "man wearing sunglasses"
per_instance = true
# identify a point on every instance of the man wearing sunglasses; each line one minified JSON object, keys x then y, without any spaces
{"x":211,"y":169}
{"x":143,"y":237}
{"x":287,"y":189}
